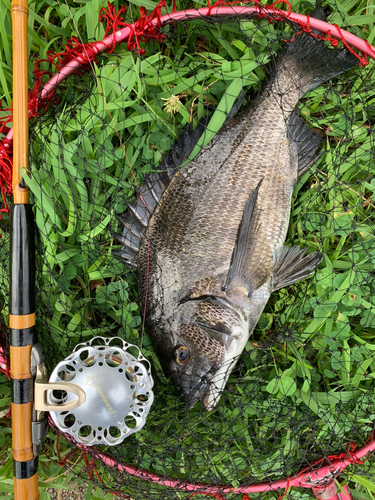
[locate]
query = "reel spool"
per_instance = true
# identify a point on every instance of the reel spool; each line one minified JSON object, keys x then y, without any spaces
{"x":117,"y":392}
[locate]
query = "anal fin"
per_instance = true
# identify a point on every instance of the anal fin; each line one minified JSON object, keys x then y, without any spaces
{"x":293,"y":265}
{"x":304,"y":141}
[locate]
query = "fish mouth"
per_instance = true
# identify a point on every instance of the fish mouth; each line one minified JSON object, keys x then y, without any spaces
{"x":207,"y":389}
{"x":191,"y":388}
{"x":233,"y":347}
{"x":217,"y":383}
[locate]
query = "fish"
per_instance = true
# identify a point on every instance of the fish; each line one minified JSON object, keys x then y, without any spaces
{"x":207,"y":239}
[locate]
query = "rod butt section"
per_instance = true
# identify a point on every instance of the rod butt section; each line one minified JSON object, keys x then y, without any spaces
{"x":26,"y":489}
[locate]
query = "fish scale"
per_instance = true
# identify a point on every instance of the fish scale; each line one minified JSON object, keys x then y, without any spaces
{"x":263,"y":153}
{"x":213,"y":251}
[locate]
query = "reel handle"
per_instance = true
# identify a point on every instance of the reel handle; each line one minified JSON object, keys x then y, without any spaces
{"x":42,"y":385}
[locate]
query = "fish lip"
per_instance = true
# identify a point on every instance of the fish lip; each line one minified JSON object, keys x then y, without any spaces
{"x":195,"y":395}
{"x":190,"y":403}
{"x":191,"y":389}
{"x":219,"y":381}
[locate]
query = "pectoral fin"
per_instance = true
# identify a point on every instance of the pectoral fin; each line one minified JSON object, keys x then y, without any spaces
{"x":292,"y":265}
{"x":245,"y":271}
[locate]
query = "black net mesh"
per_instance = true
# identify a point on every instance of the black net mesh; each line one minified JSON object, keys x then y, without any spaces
{"x":302,"y":390}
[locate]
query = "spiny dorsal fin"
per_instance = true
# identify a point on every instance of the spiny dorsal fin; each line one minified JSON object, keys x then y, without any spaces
{"x":128,"y":256}
{"x":136,"y":219}
{"x":292,"y":265}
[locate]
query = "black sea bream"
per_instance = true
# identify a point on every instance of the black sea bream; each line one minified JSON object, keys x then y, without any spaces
{"x":213,"y":250}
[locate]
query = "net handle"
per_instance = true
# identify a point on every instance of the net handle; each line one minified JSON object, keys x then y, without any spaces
{"x":123,"y":35}
{"x":22,"y":275}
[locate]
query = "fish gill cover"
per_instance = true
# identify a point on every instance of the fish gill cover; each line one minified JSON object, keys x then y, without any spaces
{"x":301,"y":393}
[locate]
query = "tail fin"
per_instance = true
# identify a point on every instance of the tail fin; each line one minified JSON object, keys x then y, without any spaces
{"x":316,"y":62}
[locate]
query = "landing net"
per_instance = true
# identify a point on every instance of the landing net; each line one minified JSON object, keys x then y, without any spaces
{"x":301,"y":400}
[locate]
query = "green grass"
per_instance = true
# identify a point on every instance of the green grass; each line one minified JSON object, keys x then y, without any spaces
{"x":324,"y":371}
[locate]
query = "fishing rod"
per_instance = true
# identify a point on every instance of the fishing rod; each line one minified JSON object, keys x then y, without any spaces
{"x":27,"y":371}
{"x":33,"y":396}
{"x":22,"y":279}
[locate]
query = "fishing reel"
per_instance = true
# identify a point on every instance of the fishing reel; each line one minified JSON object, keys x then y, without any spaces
{"x":100,"y":394}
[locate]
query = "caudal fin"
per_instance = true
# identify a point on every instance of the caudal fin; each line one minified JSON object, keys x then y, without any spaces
{"x":315,"y":60}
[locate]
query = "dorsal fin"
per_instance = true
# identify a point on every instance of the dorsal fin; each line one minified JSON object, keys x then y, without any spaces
{"x":156,"y":183}
{"x":136,"y":218}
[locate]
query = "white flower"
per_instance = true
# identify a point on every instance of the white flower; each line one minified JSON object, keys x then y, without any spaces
{"x":172,"y":104}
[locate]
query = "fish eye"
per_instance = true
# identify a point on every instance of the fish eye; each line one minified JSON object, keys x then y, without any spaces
{"x":181,"y":355}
